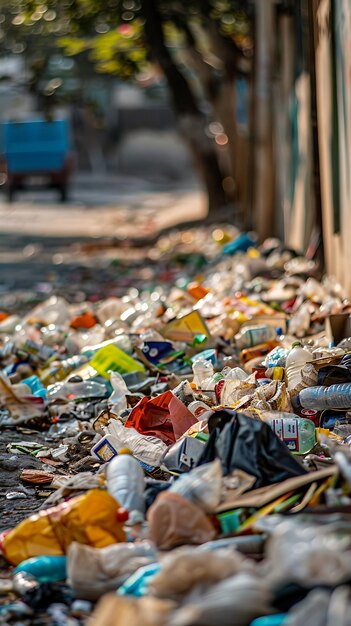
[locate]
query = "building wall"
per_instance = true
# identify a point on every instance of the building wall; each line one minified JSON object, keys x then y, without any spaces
{"x":333,"y":79}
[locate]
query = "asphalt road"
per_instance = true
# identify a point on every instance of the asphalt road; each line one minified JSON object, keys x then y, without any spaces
{"x":48,"y":247}
{"x":45,"y":244}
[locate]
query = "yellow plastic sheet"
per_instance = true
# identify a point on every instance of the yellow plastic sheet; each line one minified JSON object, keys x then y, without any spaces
{"x":89,"y":519}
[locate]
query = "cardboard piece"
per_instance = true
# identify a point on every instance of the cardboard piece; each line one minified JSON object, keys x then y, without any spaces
{"x":186,"y":328}
{"x":262,"y":496}
{"x":338,"y":327}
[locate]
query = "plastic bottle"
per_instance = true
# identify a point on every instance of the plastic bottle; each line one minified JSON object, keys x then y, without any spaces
{"x":45,"y":568}
{"x":296,"y":361}
{"x":253,"y":335}
{"x":285,"y":341}
{"x":203,"y":370}
{"x":72,"y":390}
{"x":197,"y":408}
{"x":106,"y":448}
{"x":260,"y":350}
{"x":36,"y":386}
{"x":120,"y":341}
{"x":55,"y":311}
{"x":298,"y":434}
{"x":59,"y":370}
{"x":126,"y":483}
{"x":333,"y":397}
{"x":301,"y":320}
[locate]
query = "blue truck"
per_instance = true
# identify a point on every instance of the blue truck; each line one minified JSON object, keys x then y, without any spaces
{"x":36,"y":153}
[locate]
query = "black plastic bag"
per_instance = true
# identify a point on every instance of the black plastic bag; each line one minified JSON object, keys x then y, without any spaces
{"x":336,"y":374}
{"x":241,"y":442}
{"x":183,"y":455}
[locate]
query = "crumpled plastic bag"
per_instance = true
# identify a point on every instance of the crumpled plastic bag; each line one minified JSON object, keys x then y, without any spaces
{"x":67,"y":485}
{"x":185,"y":568}
{"x":91,"y":572}
{"x":90,"y":518}
{"x":183,"y":455}
{"x":235,"y":600}
{"x":202,"y":486}
{"x":21,"y":409}
{"x":336,"y":374}
{"x":241,"y":442}
{"x":174,"y":521}
{"x":149,"y":450}
{"x":322,"y":608}
{"x":117,"y":401}
{"x":321,"y":554}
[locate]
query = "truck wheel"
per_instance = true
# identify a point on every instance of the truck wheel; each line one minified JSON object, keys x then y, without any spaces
{"x":10,"y":192}
{"x":63,"y":193}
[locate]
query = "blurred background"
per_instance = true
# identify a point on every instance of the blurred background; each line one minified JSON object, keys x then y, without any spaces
{"x":244,"y":106}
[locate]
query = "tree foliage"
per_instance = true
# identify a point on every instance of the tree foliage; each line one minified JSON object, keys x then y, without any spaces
{"x":197,"y":46}
{"x":112,"y":32}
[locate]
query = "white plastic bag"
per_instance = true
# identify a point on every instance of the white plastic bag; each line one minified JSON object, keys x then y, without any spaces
{"x":117,"y":402}
{"x":149,"y":450}
{"x":321,"y":554}
{"x":202,"y":485}
{"x":236,"y":600}
{"x":93,"y":571}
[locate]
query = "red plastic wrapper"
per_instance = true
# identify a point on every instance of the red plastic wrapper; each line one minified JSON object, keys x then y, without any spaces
{"x":165,"y":417}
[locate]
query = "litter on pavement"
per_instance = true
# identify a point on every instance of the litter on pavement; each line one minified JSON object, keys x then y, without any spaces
{"x":182,"y":448}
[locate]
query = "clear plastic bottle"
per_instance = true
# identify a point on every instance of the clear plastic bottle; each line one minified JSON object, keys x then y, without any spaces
{"x":203,"y":370}
{"x":296,"y":362}
{"x":72,"y":390}
{"x":120,"y":341}
{"x":59,"y":370}
{"x":285,"y":341}
{"x":252,"y":335}
{"x":301,"y":320}
{"x":126,"y":483}
{"x":333,"y":397}
{"x":298,"y":434}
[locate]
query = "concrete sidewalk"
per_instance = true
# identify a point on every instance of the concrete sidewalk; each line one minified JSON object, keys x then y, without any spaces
{"x":120,"y":208}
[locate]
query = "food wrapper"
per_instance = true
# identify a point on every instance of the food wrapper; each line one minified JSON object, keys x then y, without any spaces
{"x":271,"y":397}
{"x":21,"y":409}
{"x":89,"y":519}
{"x":235,"y":390}
{"x":275,"y":395}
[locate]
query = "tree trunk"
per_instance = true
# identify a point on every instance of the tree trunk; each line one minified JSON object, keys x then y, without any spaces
{"x":229,"y":54}
{"x":264,"y":192}
{"x":220,"y":92}
{"x":191,"y":120}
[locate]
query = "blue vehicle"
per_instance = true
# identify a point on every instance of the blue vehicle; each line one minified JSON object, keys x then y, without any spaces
{"x":36,"y":154}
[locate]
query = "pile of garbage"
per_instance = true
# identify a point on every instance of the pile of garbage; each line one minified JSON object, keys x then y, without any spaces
{"x":187,"y":447}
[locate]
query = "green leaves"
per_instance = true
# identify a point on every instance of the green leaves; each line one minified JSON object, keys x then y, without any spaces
{"x":73,"y":45}
{"x":119,"y":51}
